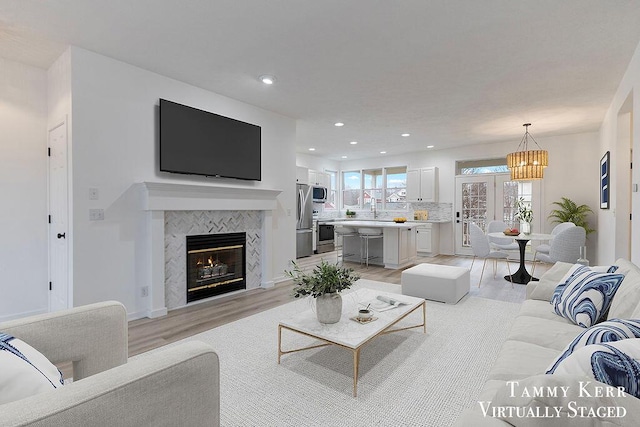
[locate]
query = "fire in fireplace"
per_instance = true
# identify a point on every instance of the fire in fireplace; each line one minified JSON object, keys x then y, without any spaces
{"x":215,"y":264}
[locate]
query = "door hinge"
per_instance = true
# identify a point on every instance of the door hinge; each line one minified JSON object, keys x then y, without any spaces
{"x":50,"y":286}
{"x":631,"y":165}
{"x":49,"y":219}
{"x":49,"y":151}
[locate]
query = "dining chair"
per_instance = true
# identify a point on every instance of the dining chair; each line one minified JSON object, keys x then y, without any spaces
{"x":501,"y":243}
{"x":544,"y":247}
{"x":564,"y":247}
{"x":482,"y":249}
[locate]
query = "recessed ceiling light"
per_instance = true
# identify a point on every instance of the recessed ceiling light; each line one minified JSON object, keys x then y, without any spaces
{"x":267,"y":79}
{"x":383,"y":152}
{"x":429,"y":146}
{"x":312,"y":149}
{"x":344,"y":157}
{"x":353,"y":142}
{"x":406,"y":134}
{"x":339,"y":124}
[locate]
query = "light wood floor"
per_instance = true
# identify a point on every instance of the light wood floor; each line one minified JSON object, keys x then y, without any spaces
{"x":146,"y":334}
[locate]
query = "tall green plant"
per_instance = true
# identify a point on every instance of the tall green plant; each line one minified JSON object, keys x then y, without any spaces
{"x":568,"y":211}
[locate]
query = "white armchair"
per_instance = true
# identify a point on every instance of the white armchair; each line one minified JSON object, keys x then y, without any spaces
{"x":544,"y":247}
{"x":565,"y":247}
{"x":177,"y":386}
{"x":501,"y":243}
{"x":482,"y":249}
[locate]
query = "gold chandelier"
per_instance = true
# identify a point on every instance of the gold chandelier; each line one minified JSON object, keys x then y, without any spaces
{"x":525,"y":164}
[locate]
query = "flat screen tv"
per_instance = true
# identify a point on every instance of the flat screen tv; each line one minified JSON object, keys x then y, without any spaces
{"x":197,"y":142}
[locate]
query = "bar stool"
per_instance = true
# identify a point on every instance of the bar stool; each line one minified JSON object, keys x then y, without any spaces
{"x":367,"y":234}
{"x":343,"y":232}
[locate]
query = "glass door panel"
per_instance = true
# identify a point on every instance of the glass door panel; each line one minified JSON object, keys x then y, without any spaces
{"x":474,"y":203}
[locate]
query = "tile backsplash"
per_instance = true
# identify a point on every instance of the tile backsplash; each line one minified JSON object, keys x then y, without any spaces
{"x":436,"y":212}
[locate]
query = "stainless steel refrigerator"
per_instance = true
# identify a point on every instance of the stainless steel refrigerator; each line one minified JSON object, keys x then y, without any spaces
{"x":304,"y":224}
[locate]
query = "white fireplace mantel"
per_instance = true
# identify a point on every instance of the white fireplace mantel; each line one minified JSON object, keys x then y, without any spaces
{"x":161,"y":196}
{"x":155,"y":198}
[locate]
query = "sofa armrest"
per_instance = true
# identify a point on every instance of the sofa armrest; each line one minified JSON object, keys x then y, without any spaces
{"x":176,"y":386}
{"x":94,"y":337}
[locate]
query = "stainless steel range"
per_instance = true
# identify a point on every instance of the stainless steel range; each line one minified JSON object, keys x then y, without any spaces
{"x":324,"y":237}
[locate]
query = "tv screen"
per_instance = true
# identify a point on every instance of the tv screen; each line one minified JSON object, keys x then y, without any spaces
{"x":197,"y":142}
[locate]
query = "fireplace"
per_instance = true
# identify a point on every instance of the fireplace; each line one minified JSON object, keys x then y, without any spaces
{"x":215,"y":264}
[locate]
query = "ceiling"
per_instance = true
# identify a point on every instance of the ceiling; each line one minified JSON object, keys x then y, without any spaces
{"x":449,"y":72}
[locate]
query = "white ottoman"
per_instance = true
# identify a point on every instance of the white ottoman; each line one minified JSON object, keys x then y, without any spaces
{"x":435,"y":282}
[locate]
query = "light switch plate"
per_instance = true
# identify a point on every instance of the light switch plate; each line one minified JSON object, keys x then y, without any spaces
{"x":94,"y":194}
{"x":96,"y":214}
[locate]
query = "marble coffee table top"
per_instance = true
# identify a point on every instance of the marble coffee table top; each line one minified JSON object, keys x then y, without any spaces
{"x":350,"y":333}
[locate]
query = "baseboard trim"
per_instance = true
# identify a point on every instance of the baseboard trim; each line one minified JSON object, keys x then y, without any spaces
{"x":21,"y":315}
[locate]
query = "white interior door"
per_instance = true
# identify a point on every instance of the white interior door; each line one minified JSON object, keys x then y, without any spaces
{"x":59,"y":295}
{"x":475,"y":197}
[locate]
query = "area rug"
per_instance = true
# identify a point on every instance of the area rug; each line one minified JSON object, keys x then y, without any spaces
{"x":406,"y":378}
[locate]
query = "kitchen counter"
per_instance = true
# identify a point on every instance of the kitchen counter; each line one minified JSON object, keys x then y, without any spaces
{"x":411,"y":221}
{"x":396,"y":249}
{"x":375,"y":224}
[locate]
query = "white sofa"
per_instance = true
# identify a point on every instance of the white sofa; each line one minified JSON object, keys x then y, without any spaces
{"x":178,"y":386}
{"x":536,"y":338}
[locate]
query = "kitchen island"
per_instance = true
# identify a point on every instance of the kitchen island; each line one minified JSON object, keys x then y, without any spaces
{"x":396,"y":249}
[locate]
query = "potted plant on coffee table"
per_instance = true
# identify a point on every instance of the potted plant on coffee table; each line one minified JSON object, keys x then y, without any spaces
{"x":324,"y":283}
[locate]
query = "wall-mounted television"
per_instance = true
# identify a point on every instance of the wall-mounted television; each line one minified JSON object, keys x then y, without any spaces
{"x":198,"y":142}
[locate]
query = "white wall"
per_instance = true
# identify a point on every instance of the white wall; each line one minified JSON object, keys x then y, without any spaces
{"x":572,"y":173}
{"x":115,"y":145}
{"x":23,"y":177}
{"x":609,"y":137}
{"x":316,"y":163}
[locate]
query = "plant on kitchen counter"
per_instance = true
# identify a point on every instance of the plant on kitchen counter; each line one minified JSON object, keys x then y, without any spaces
{"x":350,"y":214}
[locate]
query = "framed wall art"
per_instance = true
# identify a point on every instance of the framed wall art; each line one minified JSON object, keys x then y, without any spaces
{"x":605,"y":189}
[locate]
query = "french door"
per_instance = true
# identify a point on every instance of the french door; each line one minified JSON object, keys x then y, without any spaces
{"x":487,"y":197}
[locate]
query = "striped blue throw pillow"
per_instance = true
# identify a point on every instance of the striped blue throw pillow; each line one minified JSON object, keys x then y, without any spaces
{"x":585,"y":295}
{"x":609,"y":331}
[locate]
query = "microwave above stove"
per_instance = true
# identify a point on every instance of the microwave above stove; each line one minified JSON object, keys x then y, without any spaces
{"x":319,"y":194}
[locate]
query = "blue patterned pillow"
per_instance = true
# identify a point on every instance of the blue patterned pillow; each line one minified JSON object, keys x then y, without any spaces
{"x":24,"y":371}
{"x":609,"y":331}
{"x":572,"y":272}
{"x":615,"y":364}
{"x":585,"y":296}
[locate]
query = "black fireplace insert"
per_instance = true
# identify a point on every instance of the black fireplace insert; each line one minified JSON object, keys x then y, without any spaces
{"x":215,"y":264}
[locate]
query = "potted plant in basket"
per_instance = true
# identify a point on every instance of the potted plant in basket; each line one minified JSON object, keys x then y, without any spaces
{"x":324,"y":283}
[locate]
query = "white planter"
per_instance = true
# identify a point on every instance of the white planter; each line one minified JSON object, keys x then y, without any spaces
{"x":329,"y":308}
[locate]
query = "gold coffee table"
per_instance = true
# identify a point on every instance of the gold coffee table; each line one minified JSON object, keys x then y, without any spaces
{"x":348,"y":333}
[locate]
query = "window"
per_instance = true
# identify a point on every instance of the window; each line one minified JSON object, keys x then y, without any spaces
{"x":476,"y":167}
{"x":396,"y":188}
{"x":351,"y":189}
{"x":332,"y":201}
{"x":384,"y":187}
{"x":372,"y":192}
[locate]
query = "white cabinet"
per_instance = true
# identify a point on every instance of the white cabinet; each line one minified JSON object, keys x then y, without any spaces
{"x":322,"y":179}
{"x":422,"y":185}
{"x":428,"y":239}
{"x":399,"y":247}
{"x":302,"y":175}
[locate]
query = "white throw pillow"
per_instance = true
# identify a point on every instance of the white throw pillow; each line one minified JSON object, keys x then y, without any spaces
{"x":24,"y":371}
{"x":609,"y":331}
{"x":585,"y":295}
{"x":615,"y":364}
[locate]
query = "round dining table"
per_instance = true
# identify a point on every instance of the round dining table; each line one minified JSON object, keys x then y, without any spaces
{"x":522,"y":276}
